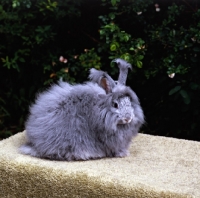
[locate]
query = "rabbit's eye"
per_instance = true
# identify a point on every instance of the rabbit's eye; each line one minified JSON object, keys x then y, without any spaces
{"x":115,"y":105}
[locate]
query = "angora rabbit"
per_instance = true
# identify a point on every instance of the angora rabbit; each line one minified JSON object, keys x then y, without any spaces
{"x":84,"y":121}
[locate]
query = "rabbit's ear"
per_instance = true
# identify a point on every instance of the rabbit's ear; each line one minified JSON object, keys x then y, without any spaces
{"x":104,"y":83}
{"x":102,"y":79}
{"x":123,"y":70}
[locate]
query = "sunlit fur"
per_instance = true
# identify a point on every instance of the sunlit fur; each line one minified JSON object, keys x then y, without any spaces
{"x":79,"y":122}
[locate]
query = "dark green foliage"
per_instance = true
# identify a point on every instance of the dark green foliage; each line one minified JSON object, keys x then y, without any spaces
{"x":163,"y":47}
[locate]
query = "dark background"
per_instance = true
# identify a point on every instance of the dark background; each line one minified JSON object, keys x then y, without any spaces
{"x":34,"y":34}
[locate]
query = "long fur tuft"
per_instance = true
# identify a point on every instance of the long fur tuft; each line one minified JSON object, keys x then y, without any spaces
{"x":123,"y":67}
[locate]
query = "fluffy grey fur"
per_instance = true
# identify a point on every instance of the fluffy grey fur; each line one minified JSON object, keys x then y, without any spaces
{"x":84,"y":121}
{"x":123,"y":66}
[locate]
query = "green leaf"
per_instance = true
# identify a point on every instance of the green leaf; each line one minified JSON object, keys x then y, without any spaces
{"x":126,"y":38}
{"x":112,"y":15}
{"x":174,"y":90}
{"x":194,"y":86}
{"x":126,"y":57}
{"x":186,"y":100}
{"x":186,"y":97}
{"x":183,"y":93}
{"x":140,"y":57}
{"x":113,"y":2}
{"x":139,"y":64}
{"x":113,"y":47}
{"x":21,"y":60}
{"x":102,"y":32}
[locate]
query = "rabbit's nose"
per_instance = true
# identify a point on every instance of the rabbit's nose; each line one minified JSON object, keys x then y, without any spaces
{"x":127,"y":118}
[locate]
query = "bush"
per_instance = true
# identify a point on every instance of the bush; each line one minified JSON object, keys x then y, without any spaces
{"x":44,"y":41}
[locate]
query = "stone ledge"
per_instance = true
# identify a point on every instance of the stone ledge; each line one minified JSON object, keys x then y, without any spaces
{"x":157,"y":167}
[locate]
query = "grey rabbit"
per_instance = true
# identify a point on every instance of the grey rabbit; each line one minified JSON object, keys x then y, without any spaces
{"x":84,"y":121}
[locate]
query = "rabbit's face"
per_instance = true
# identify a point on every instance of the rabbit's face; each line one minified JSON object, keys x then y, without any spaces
{"x":124,"y":110}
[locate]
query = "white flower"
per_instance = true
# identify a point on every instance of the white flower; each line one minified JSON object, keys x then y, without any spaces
{"x":171,"y":75}
{"x":157,"y":9}
{"x":65,"y":60}
{"x":61,"y":59}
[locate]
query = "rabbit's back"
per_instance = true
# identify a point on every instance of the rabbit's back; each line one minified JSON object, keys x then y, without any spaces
{"x":63,"y":100}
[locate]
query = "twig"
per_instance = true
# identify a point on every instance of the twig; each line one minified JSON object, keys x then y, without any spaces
{"x":91,"y":37}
